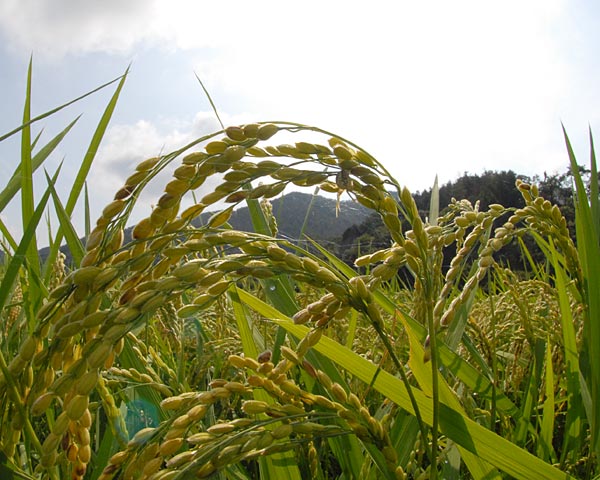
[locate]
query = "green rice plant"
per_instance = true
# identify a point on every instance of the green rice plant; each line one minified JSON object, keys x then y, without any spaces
{"x":22,"y":283}
{"x":588,"y":236}
{"x":203,"y":351}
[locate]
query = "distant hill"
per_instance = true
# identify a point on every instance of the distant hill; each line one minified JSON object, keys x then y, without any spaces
{"x":290,"y":211}
{"x":293,"y":209}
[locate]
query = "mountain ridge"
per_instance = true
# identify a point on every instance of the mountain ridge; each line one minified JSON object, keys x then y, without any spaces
{"x":296,"y":214}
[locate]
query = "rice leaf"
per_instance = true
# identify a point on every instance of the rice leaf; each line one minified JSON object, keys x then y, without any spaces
{"x":7,"y":236}
{"x":55,"y":110}
{"x":86,"y":164}
{"x":14,"y":184}
{"x":16,"y":262}
{"x":75,"y":247}
{"x":464,"y":371}
{"x":588,"y":246}
{"x":545,"y":450}
{"x":488,"y":446}
{"x":27,"y":200}
{"x":594,"y":187}
{"x":434,"y":203}
{"x":422,"y":372}
{"x":574,"y":380}
{"x":527,"y":405}
{"x":86,"y":208}
{"x":252,"y":341}
{"x":92,"y":150}
{"x":281,"y":465}
{"x":19,"y":257}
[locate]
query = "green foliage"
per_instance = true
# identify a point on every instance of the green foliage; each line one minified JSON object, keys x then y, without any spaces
{"x":190,"y":349}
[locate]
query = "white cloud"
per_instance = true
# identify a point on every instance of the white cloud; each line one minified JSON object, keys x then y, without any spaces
{"x":127,"y":145}
{"x":436,"y":87}
{"x":428,"y":90}
{"x":70,"y":27}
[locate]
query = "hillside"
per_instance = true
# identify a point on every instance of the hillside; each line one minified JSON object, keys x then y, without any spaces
{"x":293,"y":209}
{"x":290,"y":211}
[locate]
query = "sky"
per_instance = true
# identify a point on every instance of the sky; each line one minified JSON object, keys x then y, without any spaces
{"x":429,"y":88}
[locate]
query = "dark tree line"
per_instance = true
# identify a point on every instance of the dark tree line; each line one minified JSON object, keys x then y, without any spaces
{"x":488,"y":188}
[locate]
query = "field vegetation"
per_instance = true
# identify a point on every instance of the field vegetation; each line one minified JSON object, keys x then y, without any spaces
{"x":209,"y":352}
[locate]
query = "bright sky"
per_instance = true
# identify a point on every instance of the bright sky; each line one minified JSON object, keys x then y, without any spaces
{"x":431,"y":87}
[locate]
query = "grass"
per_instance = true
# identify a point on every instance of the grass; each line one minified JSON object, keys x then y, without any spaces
{"x":197,"y":352}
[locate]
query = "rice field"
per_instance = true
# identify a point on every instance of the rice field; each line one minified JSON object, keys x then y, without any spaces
{"x":207,"y":352}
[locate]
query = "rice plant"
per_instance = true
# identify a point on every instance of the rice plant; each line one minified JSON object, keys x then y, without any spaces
{"x":199,"y":351}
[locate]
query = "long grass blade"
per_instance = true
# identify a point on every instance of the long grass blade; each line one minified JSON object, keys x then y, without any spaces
{"x":594,"y":187}
{"x":6,"y":287}
{"x":476,"y":439}
{"x":8,"y":237}
{"x":18,"y":258}
{"x":86,"y":164}
{"x":545,"y":450}
{"x":434,"y":203}
{"x":86,"y":207}
{"x":281,"y":465}
{"x":588,"y":246}
{"x":75,"y":247}
{"x":478,"y":468}
{"x":464,"y":371}
{"x":27,"y":199}
{"x":574,"y":380}
{"x":57,"y":109}
{"x":14,"y":184}
{"x":92,"y":150}
{"x":211,"y":101}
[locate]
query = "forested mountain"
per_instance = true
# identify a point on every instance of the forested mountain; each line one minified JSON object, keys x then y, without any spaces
{"x":352,"y":230}
{"x":297,"y":215}
{"x":487,"y":188}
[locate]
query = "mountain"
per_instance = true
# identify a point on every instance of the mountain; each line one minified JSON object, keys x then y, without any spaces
{"x":292,"y":211}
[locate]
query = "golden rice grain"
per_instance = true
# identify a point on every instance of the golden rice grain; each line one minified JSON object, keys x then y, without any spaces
{"x":148,"y":164}
{"x":194,"y":158}
{"x":254,"y":407}
{"x":72,"y":452}
{"x":98,"y":355}
{"x":85,"y":453}
{"x":85,"y":275}
{"x":206,"y":470}
{"x":180,"y":459}
{"x":42,"y":403}
{"x":61,"y":424}
{"x":342,"y":152}
{"x":250,"y":130}
{"x":181,"y":422}
{"x":339,"y":393}
{"x":51,"y":443}
{"x":113,"y":209}
{"x":141,"y":437}
{"x":216,"y":147}
{"x":486,"y":261}
{"x":86,"y":420}
{"x":169,"y":447}
{"x":266,"y":131}
{"x":236,"y":133}
{"x":233,"y":153}
{"x":76,"y":406}
{"x":86,"y":383}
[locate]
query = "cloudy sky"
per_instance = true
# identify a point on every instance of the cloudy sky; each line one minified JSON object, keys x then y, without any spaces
{"x":431,"y":87}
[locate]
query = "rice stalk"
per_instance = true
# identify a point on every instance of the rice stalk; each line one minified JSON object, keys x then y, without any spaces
{"x":122,"y":326}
